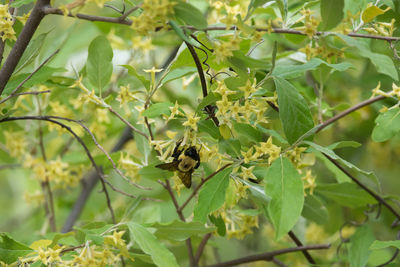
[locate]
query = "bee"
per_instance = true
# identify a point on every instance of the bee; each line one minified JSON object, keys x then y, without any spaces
{"x":185,"y":162}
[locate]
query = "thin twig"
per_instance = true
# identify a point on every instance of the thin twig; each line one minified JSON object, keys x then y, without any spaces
{"x":89,"y":183}
{"x":298,"y":243}
{"x":97,"y":168}
{"x":202,"y":182}
{"x":364,"y":187}
{"x":167,"y":186}
{"x":29,"y":76}
{"x":350,"y":110}
{"x":56,"y":11}
{"x":10,"y":166}
{"x":127,"y":123}
{"x":201,"y":247}
{"x":269,"y":256}
{"x":49,"y":201}
{"x":102,"y":149}
{"x":22,"y":42}
{"x":127,"y":13}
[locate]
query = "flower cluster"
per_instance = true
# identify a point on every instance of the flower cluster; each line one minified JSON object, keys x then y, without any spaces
{"x":331,"y":55}
{"x":6,"y":24}
{"x":61,"y":173}
{"x":15,"y":143}
{"x":394,"y":93}
{"x":154,"y":16}
{"x":238,"y":223}
{"x":130,"y":167}
{"x":224,"y":48}
{"x":310,"y":23}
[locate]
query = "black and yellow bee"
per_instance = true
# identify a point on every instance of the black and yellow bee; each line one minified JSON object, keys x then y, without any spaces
{"x":185,"y":162}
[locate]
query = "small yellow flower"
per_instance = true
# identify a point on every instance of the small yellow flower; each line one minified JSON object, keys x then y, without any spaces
{"x":247,"y":173}
{"x":191,"y":121}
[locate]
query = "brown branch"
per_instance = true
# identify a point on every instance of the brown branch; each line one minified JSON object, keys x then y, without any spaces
{"x":55,"y":11}
{"x":364,"y":187}
{"x":14,"y":92}
{"x":202,"y":182}
{"x":203,"y":82}
{"x":127,"y":13}
{"x":349,"y":110}
{"x":298,"y":243}
{"x":201,"y":247}
{"x":89,"y":184}
{"x":22,"y":42}
{"x":269,"y":256}
{"x":167,"y":186}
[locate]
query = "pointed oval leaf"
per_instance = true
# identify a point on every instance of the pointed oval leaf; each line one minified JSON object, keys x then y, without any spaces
{"x":99,"y":63}
{"x":387,"y":125}
{"x":212,"y":195}
{"x":359,"y":247}
{"x":331,"y":13}
{"x":283,"y":184}
{"x":293,"y":110}
{"x":151,"y":246}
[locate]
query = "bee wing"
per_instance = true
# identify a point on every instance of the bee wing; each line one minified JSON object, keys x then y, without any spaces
{"x":172,"y":166}
{"x":186,"y":178}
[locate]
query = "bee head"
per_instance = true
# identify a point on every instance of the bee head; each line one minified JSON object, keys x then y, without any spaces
{"x":193,"y":153}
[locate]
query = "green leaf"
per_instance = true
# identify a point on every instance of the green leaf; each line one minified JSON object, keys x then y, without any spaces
{"x":293,"y":71}
{"x":346,"y":194}
{"x":142,"y":143}
{"x":342,"y":144}
{"x":331,"y":13}
{"x":207,"y":126}
{"x":151,"y":246}
{"x":208,"y":100}
{"x":247,"y":132}
{"x":283,"y":7}
{"x":387,"y":125}
{"x":314,"y":210}
{"x":31,"y":52}
{"x":371,"y":12}
{"x":219,"y":223}
{"x":241,"y":62}
{"x":293,"y":110}
{"x":39,"y":77}
{"x":132,"y":71}
{"x":11,"y":250}
{"x":359,"y":247}
{"x":180,"y":231}
{"x":99,"y":63}
{"x":190,"y":15}
{"x":283,"y":184}
{"x":212,"y":195}
{"x":333,"y":155}
{"x":157,"y":109}
{"x":230,"y":146}
{"x":378,"y":244}
{"x":178,"y":73}
{"x":180,"y":32}
{"x":341,"y":177}
{"x":56,"y":238}
{"x":19,"y":3}
{"x":382,"y":63}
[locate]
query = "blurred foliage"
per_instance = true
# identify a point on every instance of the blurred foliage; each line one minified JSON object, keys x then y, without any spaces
{"x":273,"y":77}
